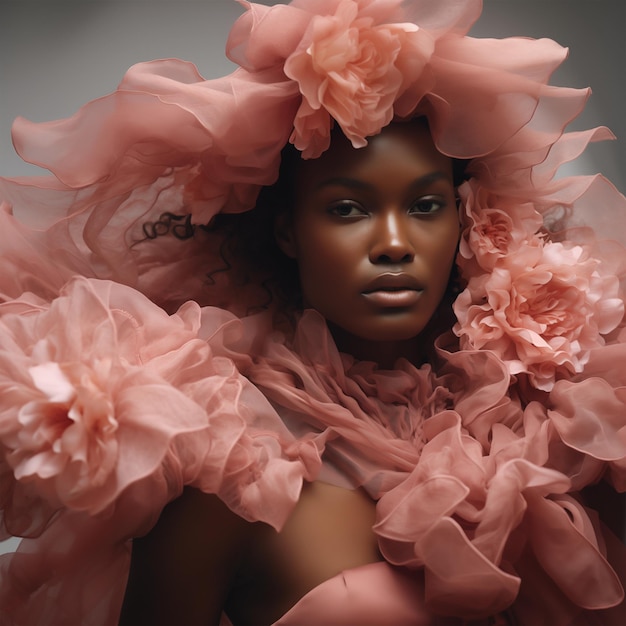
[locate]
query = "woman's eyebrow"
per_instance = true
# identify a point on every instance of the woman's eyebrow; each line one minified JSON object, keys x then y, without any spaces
{"x":358,"y":183}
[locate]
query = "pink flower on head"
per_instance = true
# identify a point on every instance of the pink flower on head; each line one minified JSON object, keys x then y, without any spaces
{"x":495,"y":227}
{"x":351,"y":69}
{"x":542,"y":310}
{"x":95,"y":388}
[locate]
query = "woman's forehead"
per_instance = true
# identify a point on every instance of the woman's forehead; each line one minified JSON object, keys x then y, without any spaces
{"x":406,"y":142}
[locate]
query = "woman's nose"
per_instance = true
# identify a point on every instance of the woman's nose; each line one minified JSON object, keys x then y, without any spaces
{"x":391,"y":241}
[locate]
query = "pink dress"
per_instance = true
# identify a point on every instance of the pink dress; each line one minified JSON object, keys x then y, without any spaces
{"x":369,"y":595}
{"x":233,"y":407}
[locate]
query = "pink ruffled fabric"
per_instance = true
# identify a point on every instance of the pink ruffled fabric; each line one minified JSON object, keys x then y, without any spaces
{"x":167,"y":140}
{"x":109,"y":340}
{"x":541,"y":300}
{"x":72,"y":373}
{"x":471,"y":480}
{"x":109,"y":406}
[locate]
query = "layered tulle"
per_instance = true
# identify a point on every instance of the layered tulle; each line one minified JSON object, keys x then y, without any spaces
{"x":128,"y":368}
{"x":540,"y":291}
{"x":169,"y":141}
{"x":109,"y":407}
{"x":72,"y":372}
{"x":472,"y":480}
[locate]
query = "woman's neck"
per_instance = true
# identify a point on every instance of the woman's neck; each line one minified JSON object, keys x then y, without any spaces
{"x":384,"y":353}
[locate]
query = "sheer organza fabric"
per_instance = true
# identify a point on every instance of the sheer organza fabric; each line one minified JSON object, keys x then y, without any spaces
{"x":269,"y":414}
{"x":126,"y":373}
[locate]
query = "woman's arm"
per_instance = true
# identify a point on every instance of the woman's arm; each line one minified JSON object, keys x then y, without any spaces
{"x":181,"y":572}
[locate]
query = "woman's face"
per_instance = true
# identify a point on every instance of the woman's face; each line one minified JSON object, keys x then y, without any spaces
{"x":374,"y":232}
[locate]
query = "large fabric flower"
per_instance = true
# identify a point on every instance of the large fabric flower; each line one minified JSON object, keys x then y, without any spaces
{"x":95,"y":390}
{"x":542,"y":309}
{"x":495,"y":226}
{"x":351,"y":69}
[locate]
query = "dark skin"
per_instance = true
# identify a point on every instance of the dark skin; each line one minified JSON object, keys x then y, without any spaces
{"x":374,"y":233}
{"x":201,"y":557}
{"x":390,"y":209}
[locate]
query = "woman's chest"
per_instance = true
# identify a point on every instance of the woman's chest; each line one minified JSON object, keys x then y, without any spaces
{"x":329,"y":531}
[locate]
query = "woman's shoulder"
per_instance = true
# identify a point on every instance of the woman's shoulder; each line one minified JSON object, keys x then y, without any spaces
{"x":183,"y":568}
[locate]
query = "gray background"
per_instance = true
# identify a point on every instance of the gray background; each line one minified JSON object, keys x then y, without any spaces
{"x":56,"y":54}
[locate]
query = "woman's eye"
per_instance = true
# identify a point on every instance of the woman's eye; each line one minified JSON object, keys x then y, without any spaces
{"x":424,"y":206}
{"x":346,"y":209}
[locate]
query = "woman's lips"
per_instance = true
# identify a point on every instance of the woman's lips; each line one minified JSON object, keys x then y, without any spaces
{"x":393,"y":290}
{"x":393,"y":297}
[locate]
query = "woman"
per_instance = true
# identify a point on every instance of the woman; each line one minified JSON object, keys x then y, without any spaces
{"x":374,"y":233}
{"x":352,"y":441}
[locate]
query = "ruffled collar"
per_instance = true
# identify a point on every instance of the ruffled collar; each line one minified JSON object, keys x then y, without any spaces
{"x":460,"y":467}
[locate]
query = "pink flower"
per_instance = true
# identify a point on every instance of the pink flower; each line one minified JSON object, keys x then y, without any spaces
{"x":70,"y":419}
{"x":95,"y":387}
{"x":542,"y":310}
{"x":495,"y":226}
{"x":352,"y":69}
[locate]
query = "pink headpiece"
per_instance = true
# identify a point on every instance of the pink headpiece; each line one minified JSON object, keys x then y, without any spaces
{"x":167,"y":140}
{"x":303,"y":67}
